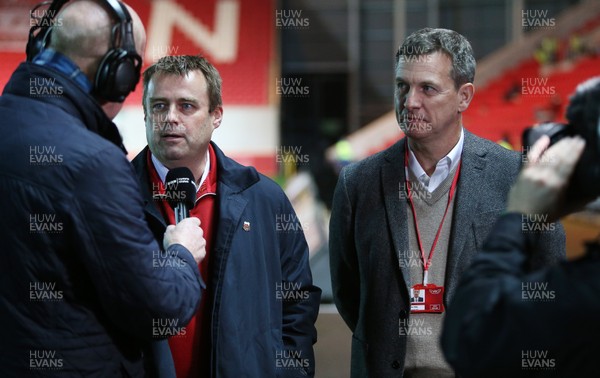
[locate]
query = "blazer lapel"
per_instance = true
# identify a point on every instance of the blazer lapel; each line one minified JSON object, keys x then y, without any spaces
{"x":468,"y":195}
{"x":393,"y":182}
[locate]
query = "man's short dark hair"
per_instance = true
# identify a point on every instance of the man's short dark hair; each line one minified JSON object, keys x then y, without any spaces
{"x":181,"y":65}
{"x":428,"y":41}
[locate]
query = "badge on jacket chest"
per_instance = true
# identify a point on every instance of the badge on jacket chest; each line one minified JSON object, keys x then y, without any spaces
{"x":427,"y":299}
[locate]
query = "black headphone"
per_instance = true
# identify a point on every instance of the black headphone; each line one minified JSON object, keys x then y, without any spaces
{"x":119,"y":70}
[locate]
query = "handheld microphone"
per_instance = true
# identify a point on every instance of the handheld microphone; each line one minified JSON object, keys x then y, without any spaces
{"x":180,"y":190}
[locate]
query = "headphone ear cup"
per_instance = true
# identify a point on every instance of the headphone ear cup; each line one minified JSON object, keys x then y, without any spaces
{"x":117,"y":75}
{"x":37,"y":43}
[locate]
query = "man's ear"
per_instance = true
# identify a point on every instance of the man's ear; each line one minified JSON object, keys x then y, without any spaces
{"x":217,"y":116}
{"x":465,"y":95}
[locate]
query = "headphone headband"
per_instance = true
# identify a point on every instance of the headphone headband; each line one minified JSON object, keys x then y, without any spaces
{"x":119,"y":70}
{"x":37,"y":41}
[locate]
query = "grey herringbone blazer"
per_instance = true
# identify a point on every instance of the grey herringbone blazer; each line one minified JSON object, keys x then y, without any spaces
{"x":368,"y":232}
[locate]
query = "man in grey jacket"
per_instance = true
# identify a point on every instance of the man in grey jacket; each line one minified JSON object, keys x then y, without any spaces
{"x":413,"y":216}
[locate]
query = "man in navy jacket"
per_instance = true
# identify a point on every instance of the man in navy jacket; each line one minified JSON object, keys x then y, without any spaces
{"x":84,"y":284}
{"x":261,"y":306}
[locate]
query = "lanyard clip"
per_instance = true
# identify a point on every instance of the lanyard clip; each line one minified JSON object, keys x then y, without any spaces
{"x":425,"y":277}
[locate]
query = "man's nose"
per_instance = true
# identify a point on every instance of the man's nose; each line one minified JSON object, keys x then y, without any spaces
{"x":172,"y":115}
{"x":411,"y":99}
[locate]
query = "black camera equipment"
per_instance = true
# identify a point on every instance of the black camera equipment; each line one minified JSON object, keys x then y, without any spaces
{"x":583,"y":115}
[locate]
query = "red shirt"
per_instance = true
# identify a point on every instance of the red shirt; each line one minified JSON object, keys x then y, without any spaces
{"x":191,"y":351}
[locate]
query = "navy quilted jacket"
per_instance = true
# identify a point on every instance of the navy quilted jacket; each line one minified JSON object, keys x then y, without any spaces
{"x":84,"y":285}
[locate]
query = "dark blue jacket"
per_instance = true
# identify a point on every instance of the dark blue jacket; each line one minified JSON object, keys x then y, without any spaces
{"x":508,"y":320}
{"x":262,"y":303}
{"x":84,"y":285}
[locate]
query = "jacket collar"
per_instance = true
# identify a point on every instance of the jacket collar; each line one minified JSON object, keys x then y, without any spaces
{"x":142,"y":172}
{"x":468,"y":197}
{"x":232,"y":174}
{"x":392,"y":180}
{"x":55,"y":60}
{"x":69,"y":96}
{"x":232,"y":177}
{"x":468,"y":194}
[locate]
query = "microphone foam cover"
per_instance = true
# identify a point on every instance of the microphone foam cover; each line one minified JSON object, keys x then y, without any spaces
{"x":180,"y":186}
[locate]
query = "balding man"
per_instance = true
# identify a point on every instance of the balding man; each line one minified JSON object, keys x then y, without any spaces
{"x":84,"y":285}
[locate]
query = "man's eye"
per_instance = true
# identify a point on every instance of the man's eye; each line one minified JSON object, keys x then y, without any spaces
{"x":402,"y":86}
{"x":158,"y":107}
{"x":186,"y":106}
{"x":428,"y":89}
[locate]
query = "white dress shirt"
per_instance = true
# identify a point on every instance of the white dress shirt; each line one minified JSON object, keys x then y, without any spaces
{"x":442,"y":168}
{"x":162,"y":170}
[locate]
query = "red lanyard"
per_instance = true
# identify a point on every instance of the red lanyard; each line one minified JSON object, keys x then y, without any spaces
{"x":427,"y":263}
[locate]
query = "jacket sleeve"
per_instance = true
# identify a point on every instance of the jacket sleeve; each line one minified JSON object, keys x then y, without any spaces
{"x":549,"y":244}
{"x":145,"y":291}
{"x":299,"y":316}
{"x":343,"y":261}
{"x":503,"y":312}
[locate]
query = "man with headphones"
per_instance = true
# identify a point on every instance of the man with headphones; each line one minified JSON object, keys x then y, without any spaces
{"x":84,"y":285}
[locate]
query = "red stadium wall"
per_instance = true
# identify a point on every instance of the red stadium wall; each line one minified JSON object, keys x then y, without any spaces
{"x":237,"y":36}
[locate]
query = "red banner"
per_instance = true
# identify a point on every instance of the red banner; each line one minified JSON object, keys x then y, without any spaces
{"x":235,"y":35}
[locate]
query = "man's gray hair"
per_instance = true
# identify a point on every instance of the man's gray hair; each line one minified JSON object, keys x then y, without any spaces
{"x":428,"y":41}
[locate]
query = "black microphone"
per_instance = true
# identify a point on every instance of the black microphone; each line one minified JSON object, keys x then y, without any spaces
{"x":180,"y":190}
